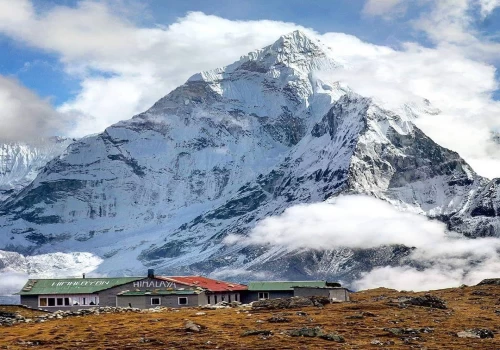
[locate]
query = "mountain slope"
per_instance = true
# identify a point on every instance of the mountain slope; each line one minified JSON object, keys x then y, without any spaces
{"x":20,"y":162}
{"x":229,"y":148}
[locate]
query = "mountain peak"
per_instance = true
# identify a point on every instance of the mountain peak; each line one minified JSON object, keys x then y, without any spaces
{"x":297,"y":41}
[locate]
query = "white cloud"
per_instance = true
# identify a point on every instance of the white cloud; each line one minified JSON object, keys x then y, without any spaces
{"x":350,"y":222}
{"x":125,"y":68}
{"x":487,"y":6}
{"x":384,"y":8}
{"x":24,"y":115}
{"x":360,"y":222}
{"x":11,"y":282}
{"x":450,"y":23}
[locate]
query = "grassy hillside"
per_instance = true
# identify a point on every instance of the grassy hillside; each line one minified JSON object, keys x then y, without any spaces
{"x":374,"y":319}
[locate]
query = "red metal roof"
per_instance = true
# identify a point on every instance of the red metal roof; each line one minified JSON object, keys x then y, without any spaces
{"x":206,"y":283}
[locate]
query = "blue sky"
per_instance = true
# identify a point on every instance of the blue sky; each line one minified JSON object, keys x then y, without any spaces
{"x":74,"y":67}
{"x":42,"y":72}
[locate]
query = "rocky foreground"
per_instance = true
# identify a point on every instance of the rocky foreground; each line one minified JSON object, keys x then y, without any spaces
{"x":458,"y":318}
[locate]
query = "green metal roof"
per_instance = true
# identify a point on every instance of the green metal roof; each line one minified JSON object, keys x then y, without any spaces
{"x":161,"y":292}
{"x":283,"y":285}
{"x":73,"y":285}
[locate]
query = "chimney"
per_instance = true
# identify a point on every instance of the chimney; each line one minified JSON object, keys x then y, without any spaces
{"x":151,"y":273}
{"x":83,"y":276}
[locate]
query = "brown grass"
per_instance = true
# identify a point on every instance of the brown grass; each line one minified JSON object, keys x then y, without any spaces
{"x":165,"y":330}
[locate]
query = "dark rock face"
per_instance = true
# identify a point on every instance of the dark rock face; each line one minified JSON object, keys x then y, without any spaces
{"x":490,"y":281}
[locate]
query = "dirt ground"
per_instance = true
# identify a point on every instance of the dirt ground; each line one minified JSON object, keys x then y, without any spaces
{"x":468,"y":307}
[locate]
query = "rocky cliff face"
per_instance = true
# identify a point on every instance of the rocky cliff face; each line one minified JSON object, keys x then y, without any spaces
{"x":20,"y":162}
{"x":227,"y":149}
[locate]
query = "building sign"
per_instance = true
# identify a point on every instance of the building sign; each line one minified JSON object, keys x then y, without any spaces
{"x":153,"y":284}
{"x":80,"y":283}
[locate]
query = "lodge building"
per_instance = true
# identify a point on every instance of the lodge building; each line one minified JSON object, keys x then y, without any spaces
{"x":167,"y":291}
{"x":141,"y":292}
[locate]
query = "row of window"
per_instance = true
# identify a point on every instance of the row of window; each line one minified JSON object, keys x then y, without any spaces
{"x":180,"y":301}
{"x":46,"y":301}
{"x":224,"y":297}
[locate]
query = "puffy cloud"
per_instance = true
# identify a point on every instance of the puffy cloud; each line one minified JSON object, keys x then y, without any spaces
{"x":11,"y":282}
{"x":349,"y":222}
{"x":25,"y":116}
{"x":450,"y":23}
{"x":444,"y":259}
{"x":125,"y":67}
{"x":487,"y":6}
{"x":384,"y":8}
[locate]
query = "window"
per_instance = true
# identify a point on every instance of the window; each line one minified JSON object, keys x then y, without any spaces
{"x":183,"y":301}
{"x":215,"y":299}
{"x":208,"y":299}
{"x":229,"y":297}
{"x":155,"y":301}
{"x":263,"y":295}
{"x":70,"y":300}
{"x":236,"y":297}
{"x":222,"y":297}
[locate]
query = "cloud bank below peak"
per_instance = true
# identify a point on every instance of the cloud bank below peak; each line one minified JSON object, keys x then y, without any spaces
{"x":440,"y":259}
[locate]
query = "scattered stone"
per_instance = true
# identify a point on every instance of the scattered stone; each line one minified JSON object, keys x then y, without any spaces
{"x":256,"y":332}
{"x":301,"y":313}
{"x":368,"y":314}
{"x":278,"y":319}
{"x":290,"y":303}
{"x":354,"y":317}
{"x":306,"y":332}
{"x":332,"y":337}
{"x":409,"y":331}
{"x":427,"y":300}
{"x":190,"y":326}
{"x":480,"y":293}
{"x":476,"y":333}
{"x":315,"y":332}
{"x":381,"y":343}
{"x":200,"y":313}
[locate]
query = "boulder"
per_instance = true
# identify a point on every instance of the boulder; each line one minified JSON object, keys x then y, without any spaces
{"x":256,"y":332}
{"x":278,"y":319}
{"x":490,"y":281}
{"x":306,"y":332}
{"x":190,"y":326}
{"x":476,"y":333}
{"x":315,"y":332}
{"x":426,"y":300}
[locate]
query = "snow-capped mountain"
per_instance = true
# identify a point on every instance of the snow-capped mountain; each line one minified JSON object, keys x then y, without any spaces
{"x":230,"y":147}
{"x":20,"y":162}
